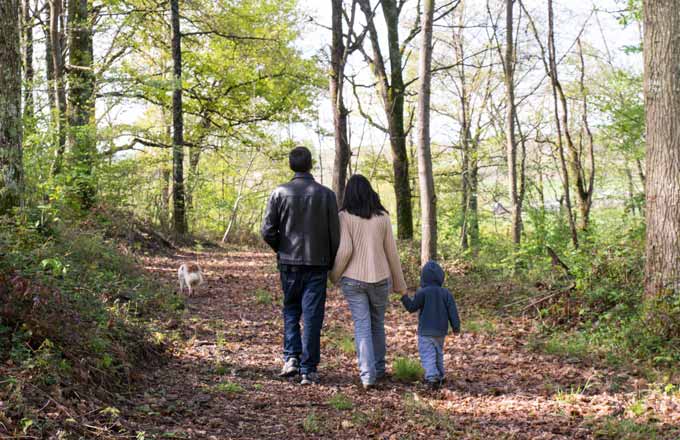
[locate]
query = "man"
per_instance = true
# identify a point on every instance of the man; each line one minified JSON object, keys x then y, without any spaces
{"x":301,"y":225}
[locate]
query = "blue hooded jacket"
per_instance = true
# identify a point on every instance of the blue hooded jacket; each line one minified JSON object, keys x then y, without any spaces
{"x":436,"y":304}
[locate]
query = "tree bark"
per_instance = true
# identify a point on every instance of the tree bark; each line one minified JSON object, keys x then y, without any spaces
{"x":28,"y":23}
{"x":82,"y":142}
{"x":56,"y":39}
{"x":428,"y":197}
{"x":392,"y":95}
{"x":560,"y":146}
{"x":342,"y":148}
{"x":179,"y":211}
{"x":49,"y":70}
{"x":662,"y":102}
{"x":510,"y":116}
{"x":11,"y":169}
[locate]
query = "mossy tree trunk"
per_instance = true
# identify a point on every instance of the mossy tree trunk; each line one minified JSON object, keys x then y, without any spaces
{"x":11,"y":170}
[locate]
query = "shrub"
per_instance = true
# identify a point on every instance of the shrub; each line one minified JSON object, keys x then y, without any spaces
{"x":407,"y":370}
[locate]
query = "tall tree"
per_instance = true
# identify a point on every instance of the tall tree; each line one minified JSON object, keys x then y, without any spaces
{"x":81,"y":124}
{"x":338,"y":59}
{"x":11,"y":170}
{"x":428,"y":198}
{"x":49,"y":68}
{"x":58,"y":69}
{"x":179,"y":211}
{"x":28,"y":24}
{"x":510,"y":118}
{"x":662,"y":100}
{"x":391,"y":88}
{"x":557,"y":91}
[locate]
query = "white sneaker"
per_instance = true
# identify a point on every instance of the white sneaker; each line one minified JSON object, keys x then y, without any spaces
{"x":290,"y":368}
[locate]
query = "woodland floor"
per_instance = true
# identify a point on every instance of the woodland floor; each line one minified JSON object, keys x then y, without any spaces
{"x":220,"y":381}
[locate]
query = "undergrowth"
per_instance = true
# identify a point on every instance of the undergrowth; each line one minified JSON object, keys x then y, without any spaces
{"x":77,"y":318}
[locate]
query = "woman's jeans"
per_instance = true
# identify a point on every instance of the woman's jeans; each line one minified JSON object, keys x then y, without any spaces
{"x":368,"y":302}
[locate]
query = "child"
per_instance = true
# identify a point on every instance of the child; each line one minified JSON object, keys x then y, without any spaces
{"x":437,"y":309}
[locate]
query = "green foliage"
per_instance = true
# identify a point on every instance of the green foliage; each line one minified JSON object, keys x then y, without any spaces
{"x":262,"y":297}
{"x":407,"y":370}
{"x":612,"y":428}
{"x":228,"y":388}
{"x":312,"y":423}
{"x":341,"y":402}
{"x":341,"y":340}
{"x":72,"y":295}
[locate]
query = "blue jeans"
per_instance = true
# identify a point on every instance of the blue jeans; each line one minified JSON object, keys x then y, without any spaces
{"x":368,"y":302}
{"x":304,"y":296}
{"x":431,"y":349}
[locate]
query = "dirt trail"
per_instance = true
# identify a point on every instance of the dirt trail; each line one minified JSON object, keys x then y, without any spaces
{"x":221,"y":383}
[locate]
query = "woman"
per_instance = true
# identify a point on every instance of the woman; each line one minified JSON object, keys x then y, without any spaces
{"x":367,"y":265}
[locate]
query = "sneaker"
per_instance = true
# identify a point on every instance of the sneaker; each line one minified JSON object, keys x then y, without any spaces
{"x":367,"y":386}
{"x":434,"y":384}
{"x":290,"y":368}
{"x":309,"y":378}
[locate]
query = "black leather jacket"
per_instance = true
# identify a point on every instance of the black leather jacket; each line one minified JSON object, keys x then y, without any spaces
{"x":301,"y":223}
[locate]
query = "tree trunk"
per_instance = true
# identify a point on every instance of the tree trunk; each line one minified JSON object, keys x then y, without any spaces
{"x":510,"y":115}
{"x":49,"y":71}
{"x":179,"y":212}
{"x":11,"y":169}
{"x":395,"y":115}
{"x":428,"y":197}
{"x":342,"y":148}
{"x":28,"y":23}
{"x":584,"y":186}
{"x":82,"y":142}
{"x":662,"y":101}
{"x":560,"y":145}
{"x":56,"y":38}
{"x":392,"y":95}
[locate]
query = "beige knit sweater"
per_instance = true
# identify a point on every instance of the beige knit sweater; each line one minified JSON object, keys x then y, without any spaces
{"x":368,"y":251}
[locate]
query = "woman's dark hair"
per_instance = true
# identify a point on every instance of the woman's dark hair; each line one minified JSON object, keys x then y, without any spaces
{"x":300,"y":160}
{"x":360,"y":199}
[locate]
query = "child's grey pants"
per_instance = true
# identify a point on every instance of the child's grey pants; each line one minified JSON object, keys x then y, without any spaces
{"x":431,"y":349}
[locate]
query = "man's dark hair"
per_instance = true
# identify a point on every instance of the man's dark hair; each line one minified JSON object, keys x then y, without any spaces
{"x":360,"y":198}
{"x":300,"y":160}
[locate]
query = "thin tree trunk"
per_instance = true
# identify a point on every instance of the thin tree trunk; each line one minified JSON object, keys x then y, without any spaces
{"x":194,"y":159}
{"x":459,"y":50}
{"x":631,"y":190}
{"x":583,"y":189}
{"x":81,"y":101}
{"x":587,"y":186}
{"x":49,"y":70}
{"x":342,"y":148}
{"x":239,"y":197}
{"x":662,"y":101}
{"x":560,"y":146}
{"x":510,"y":115}
{"x":11,"y":169}
{"x":28,"y":23}
{"x":56,"y":38}
{"x":428,"y":197}
{"x":179,"y":212}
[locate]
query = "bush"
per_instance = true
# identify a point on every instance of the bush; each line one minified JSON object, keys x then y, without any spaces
{"x":75,"y":314}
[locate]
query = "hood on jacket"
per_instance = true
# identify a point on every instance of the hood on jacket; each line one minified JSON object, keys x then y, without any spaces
{"x":432,"y":275}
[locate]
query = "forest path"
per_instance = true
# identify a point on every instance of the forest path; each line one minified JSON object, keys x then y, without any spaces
{"x":221,"y":381}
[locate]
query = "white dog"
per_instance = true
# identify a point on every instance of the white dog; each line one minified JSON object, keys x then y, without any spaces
{"x":190,"y":276}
